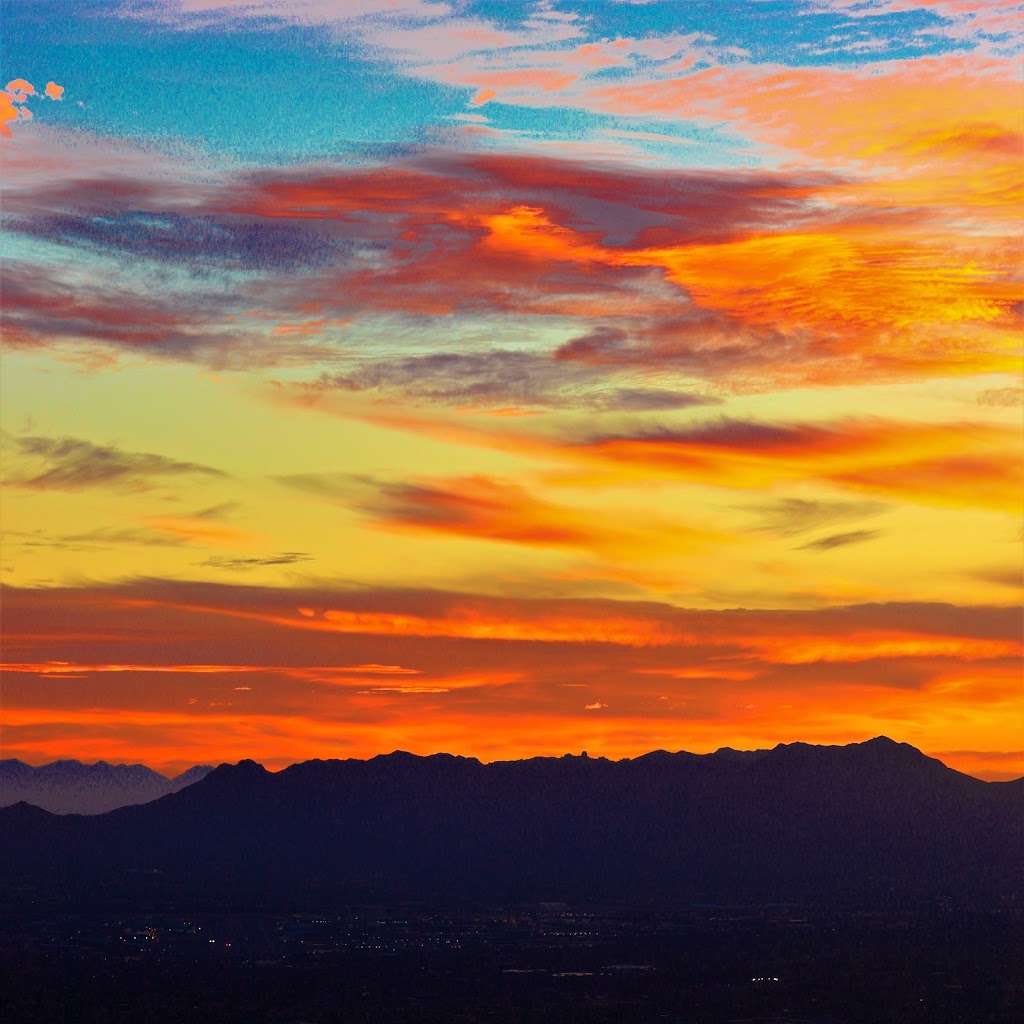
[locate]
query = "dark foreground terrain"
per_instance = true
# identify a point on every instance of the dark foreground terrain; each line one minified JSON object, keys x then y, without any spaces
{"x":825,"y":885}
{"x":535,"y":963}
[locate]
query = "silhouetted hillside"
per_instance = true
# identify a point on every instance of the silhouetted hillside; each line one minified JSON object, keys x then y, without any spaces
{"x":866,"y":820}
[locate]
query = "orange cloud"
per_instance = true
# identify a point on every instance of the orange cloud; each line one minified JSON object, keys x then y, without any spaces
{"x":862,"y":274}
{"x":467,"y":622}
{"x":884,"y":294}
{"x":965,"y":464}
{"x":196,"y":529}
{"x":14,"y":102}
{"x":875,"y":630}
{"x":489,"y":509}
{"x":67,"y":668}
{"x":524,"y":672}
{"x":750,"y":279}
{"x":870,"y":107}
{"x":19,"y":90}
{"x":960,"y":464}
{"x":881,"y":284}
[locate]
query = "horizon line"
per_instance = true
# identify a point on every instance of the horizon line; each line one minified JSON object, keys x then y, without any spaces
{"x":582,"y":754}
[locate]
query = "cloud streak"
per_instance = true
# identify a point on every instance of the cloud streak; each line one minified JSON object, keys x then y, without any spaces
{"x":744,"y":278}
{"x":71,"y":463}
{"x":840,"y":540}
{"x":943,"y":464}
{"x":789,"y":517}
{"x":257,"y":561}
{"x":487,"y":509}
{"x":509,"y":378}
{"x":661,"y":671}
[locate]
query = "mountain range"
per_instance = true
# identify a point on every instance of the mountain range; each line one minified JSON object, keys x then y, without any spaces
{"x":71,"y":787}
{"x":877,"y":819}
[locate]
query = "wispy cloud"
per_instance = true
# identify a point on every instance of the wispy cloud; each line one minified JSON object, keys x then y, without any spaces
{"x":840,"y":540}
{"x":258,"y":561}
{"x":789,"y":517}
{"x":944,"y":464}
{"x":70,"y":463}
{"x":508,"y":378}
{"x":200,"y":242}
{"x":194,"y":15}
{"x":934,"y":463}
{"x":485,"y":508}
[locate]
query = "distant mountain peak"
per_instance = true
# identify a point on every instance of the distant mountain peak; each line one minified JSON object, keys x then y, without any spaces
{"x":732,"y":754}
{"x":875,"y":744}
{"x":884,"y":746}
{"x":239,"y":773}
{"x":23,"y":810}
{"x":405,"y":758}
{"x":398,"y":757}
{"x":884,"y":743}
{"x":70,"y":786}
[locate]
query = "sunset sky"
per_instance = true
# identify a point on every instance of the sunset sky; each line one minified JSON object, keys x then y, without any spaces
{"x":511,"y":378}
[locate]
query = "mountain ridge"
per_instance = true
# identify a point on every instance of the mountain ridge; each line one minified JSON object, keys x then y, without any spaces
{"x":872,"y":819}
{"x":724,"y":752}
{"x":70,"y":786}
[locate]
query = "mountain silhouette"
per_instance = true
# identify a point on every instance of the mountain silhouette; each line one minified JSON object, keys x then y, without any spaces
{"x":877,"y":819}
{"x":71,"y":787}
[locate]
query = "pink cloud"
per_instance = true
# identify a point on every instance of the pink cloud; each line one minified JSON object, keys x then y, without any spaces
{"x":961,"y":19}
{"x":534,"y":63}
{"x":456,"y":38}
{"x":195,"y":14}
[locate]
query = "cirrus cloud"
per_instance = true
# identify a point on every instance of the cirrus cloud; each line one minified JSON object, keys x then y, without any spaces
{"x":70,"y":463}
